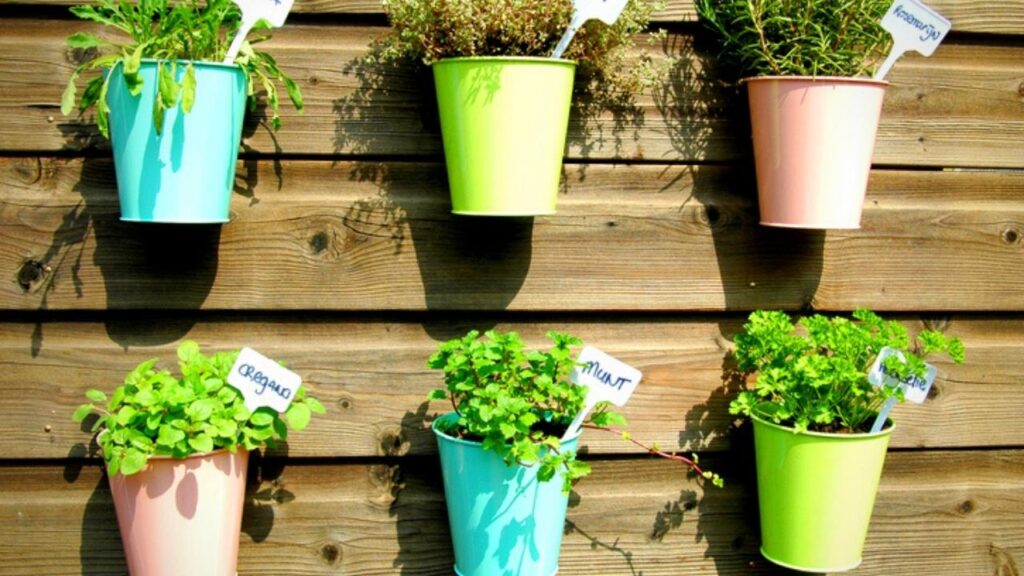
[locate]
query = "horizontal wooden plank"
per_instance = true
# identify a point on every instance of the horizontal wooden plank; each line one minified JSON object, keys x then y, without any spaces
{"x":967,"y":15}
{"x":962,"y":107}
{"x":374,"y":519}
{"x":368,"y":236}
{"x":371,"y":374}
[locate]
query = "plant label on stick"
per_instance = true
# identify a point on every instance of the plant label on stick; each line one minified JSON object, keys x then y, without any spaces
{"x":607,"y":380}
{"x":914,"y":389}
{"x":606,"y":11}
{"x":263,"y":382}
{"x":913,"y":26}
{"x":275,"y":12}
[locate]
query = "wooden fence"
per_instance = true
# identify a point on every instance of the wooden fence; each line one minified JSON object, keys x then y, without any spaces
{"x":342,"y":260}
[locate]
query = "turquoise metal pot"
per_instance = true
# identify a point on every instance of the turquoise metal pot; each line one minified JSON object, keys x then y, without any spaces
{"x":186,"y":173}
{"x":504,"y":522}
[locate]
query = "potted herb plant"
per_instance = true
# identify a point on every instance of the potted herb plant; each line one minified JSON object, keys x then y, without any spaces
{"x":172,"y":109}
{"x":813,"y":407}
{"x":814,"y":112}
{"x":505,"y":458}
{"x":503,"y":100}
{"x":176,"y":452}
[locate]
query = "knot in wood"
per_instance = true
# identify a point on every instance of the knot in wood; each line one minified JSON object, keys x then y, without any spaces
{"x":1011,"y":236}
{"x":345,"y":402}
{"x":29,"y":171}
{"x":330,"y":554}
{"x":710,"y":215}
{"x":31,"y":272}
{"x":393,"y":442}
{"x":966,"y":507}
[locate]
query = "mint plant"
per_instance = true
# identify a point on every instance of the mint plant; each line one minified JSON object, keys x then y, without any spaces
{"x":175,"y":34}
{"x":811,"y":38}
{"x":156,"y":414}
{"x":817,"y":379}
{"x":518,"y":403}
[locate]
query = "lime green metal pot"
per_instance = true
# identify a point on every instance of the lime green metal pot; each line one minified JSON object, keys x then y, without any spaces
{"x":504,"y":122}
{"x":816,"y":492}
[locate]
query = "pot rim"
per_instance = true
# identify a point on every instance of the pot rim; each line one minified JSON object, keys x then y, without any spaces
{"x":523,"y":59}
{"x":815,"y":79}
{"x":449,"y":415}
{"x":831,"y":435}
{"x":196,"y":63}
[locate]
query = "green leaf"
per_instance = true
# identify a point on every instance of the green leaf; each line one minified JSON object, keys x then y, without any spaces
{"x":188,"y":88}
{"x":169,"y":436}
{"x":83,"y":41}
{"x":201,"y":443}
{"x":262,"y":417}
{"x":67,"y":99}
{"x":95,"y":395}
{"x":82,"y":412}
{"x":133,"y":462}
{"x":298,"y":416}
{"x":438,"y":394}
{"x":315,"y":405}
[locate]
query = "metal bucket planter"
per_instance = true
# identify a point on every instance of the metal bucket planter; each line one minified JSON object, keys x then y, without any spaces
{"x":503,"y":520}
{"x":504,"y":122}
{"x":182,"y":516}
{"x":184,"y":174}
{"x":816,"y":492}
{"x":813,"y":143}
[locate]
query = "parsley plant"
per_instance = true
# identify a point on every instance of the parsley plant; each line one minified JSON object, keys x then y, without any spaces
{"x":817,"y":380}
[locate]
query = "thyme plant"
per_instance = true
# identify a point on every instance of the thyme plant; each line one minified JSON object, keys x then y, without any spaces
{"x":156,"y":414}
{"x":817,"y":380}
{"x":799,"y":38}
{"x":175,"y":33}
{"x":518,"y":404}
{"x":429,"y":30}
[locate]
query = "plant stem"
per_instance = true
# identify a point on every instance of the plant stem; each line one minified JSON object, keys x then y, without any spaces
{"x":649,"y":449}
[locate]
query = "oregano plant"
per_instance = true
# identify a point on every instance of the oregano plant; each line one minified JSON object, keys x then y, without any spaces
{"x":157,"y":414}
{"x":518,"y":403}
{"x":813,"y":375}
{"x":176,"y":34}
{"x":807,"y":38}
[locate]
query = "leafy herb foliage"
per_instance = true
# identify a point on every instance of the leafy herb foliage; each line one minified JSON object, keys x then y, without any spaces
{"x":518,"y":404}
{"x":175,"y":34}
{"x":818,"y":380}
{"x":805,"y":38}
{"x":429,"y":30}
{"x":156,"y":414}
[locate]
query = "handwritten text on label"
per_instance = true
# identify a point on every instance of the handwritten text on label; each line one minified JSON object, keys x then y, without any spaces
{"x":606,"y":378}
{"x":915,"y":26}
{"x":262,"y":381}
{"x":914,"y":389}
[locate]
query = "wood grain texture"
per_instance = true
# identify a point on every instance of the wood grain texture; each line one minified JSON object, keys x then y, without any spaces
{"x":977,"y":16}
{"x":368,"y":236}
{"x":380,"y":519}
{"x":371,"y":374}
{"x":962,"y":107}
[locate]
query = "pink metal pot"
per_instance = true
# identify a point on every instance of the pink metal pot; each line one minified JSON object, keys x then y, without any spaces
{"x":182,"y":516}
{"x":813,"y":142}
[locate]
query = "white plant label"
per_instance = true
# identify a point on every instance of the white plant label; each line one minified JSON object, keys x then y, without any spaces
{"x":263,"y":382}
{"x":606,"y":11}
{"x":275,"y":12}
{"x":914,"y":389}
{"x":607,"y":380}
{"x":913,"y":26}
